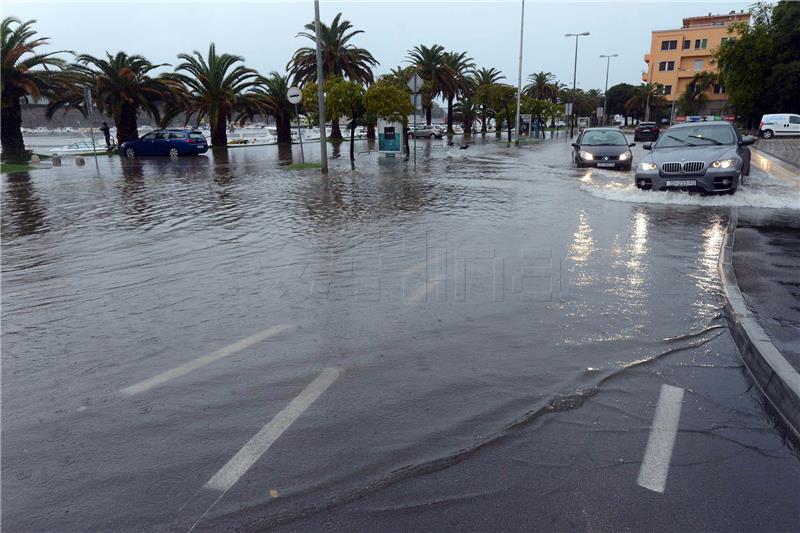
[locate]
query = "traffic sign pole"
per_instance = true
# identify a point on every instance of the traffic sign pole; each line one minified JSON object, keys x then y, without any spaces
{"x":294,"y":95}
{"x":414,"y":84}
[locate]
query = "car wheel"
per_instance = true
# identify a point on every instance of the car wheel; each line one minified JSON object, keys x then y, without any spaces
{"x":767,"y":134}
{"x":130,"y":153}
{"x":173,"y":152}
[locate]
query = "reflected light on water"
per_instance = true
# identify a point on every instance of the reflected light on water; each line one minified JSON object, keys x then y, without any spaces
{"x":582,"y":246}
{"x":638,"y":248}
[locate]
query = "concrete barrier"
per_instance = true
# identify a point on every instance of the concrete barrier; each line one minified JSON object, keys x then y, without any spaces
{"x":772,"y":165}
{"x":774,"y":375}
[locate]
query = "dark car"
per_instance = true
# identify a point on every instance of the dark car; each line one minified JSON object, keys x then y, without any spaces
{"x":173,"y":143}
{"x":709,"y":157}
{"x":432,"y":132}
{"x":646,"y":131}
{"x":603,"y":148}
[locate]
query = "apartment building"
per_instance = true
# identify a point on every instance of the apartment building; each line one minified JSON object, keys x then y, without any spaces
{"x":677,"y":55}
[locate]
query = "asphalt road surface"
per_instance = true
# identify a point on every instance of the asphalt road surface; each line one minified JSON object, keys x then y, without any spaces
{"x":493,"y":341}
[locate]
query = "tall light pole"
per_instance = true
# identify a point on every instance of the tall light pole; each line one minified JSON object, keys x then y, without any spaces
{"x":605,"y":92}
{"x":323,"y":141}
{"x":574,"y":77}
{"x":519,"y":72}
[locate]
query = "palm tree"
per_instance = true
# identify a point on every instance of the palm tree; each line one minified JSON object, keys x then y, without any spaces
{"x":695,"y":96}
{"x":644,"y":96}
{"x":340,"y":58}
{"x":540,"y":85}
{"x":272,"y":92}
{"x":466,"y":111}
{"x":122,"y":86}
{"x":457,"y":81}
{"x":215,"y":87}
{"x":23,"y":73}
{"x":483,"y":77}
{"x":428,"y":62}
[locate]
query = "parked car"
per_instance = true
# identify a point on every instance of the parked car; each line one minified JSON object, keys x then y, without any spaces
{"x":173,"y":143}
{"x":779,"y":124}
{"x":432,"y":132}
{"x":602,"y":147}
{"x":709,"y":157}
{"x":646,"y":131}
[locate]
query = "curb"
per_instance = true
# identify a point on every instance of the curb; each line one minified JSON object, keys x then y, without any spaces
{"x":773,"y":374}
{"x":773,"y":164}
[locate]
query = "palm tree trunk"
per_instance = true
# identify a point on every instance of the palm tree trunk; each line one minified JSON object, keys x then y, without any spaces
{"x":449,"y":115}
{"x":336,"y":132}
{"x":371,"y":131}
{"x":219,"y":135}
{"x":126,"y":125}
{"x":283,"y":123}
{"x":483,"y":120}
{"x":11,"y":130}
{"x":508,"y":123}
{"x":428,"y":111}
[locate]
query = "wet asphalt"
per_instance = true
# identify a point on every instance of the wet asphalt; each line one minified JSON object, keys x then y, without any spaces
{"x":478,"y":343}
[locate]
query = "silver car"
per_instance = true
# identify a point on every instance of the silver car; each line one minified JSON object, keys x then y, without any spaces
{"x":710,"y":157}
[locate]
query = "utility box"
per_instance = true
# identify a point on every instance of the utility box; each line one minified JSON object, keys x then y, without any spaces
{"x":390,"y":137}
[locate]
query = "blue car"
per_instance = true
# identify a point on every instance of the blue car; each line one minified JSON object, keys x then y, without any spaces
{"x":173,"y":143}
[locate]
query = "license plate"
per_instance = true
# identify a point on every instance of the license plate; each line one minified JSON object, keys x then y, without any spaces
{"x":681,"y":183}
{"x":606,"y":165}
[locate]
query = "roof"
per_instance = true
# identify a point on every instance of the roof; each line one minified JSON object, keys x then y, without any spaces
{"x":701,"y":123}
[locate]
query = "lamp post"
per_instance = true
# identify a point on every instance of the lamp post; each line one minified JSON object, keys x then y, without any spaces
{"x":519,"y":73}
{"x":675,"y":95}
{"x":574,"y":77}
{"x":605,"y":92}
{"x":323,"y":146}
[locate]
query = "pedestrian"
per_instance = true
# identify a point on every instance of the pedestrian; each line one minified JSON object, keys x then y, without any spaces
{"x":107,"y":134}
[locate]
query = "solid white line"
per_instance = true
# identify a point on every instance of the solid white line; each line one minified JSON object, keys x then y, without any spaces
{"x":200,"y":362}
{"x":421,"y":292}
{"x":657,"y":455}
{"x":229,"y":474}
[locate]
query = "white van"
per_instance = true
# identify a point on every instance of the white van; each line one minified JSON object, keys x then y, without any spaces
{"x":779,"y":124}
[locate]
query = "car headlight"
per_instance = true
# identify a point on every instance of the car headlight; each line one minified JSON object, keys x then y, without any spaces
{"x":585,"y":155}
{"x":724,"y":163}
{"x":647,"y":166}
{"x":625,"y":156}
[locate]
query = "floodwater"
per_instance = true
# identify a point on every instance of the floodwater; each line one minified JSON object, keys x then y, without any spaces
{"x":497,"y":325}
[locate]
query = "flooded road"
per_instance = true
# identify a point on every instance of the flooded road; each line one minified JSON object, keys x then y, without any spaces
{"x":224,"y":343}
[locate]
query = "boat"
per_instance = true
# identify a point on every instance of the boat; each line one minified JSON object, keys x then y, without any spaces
{"x":81,"y":148}
{"x":268,"y":138}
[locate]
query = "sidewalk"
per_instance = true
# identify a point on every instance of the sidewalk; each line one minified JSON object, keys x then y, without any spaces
{"x":785,"y":149}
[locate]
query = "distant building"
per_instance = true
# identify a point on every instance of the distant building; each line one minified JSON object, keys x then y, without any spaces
{"x":677,"y":55}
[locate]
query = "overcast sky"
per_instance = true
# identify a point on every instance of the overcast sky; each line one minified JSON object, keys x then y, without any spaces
{"x":263,"y":32}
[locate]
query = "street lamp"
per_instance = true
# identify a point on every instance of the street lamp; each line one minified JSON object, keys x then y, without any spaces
{"x":605,"y":93}
{"x":574,"y":77}
{"x":323,"y":147}
{"x":675,"y":95}
{"x":519,"y":73}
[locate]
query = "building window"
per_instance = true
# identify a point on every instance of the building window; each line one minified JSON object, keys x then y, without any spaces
{"x":719,"y":88}
{"x":700,"y":44}
{"x":667,"y":89}
{"x":687,"y":43}
{"x":698,"y":64}
{"x":669,"y":45}
{"x":666,"y":65}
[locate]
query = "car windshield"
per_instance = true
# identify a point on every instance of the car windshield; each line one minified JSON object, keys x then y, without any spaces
{"x":603,"y":138}
{"x":700,"y":135}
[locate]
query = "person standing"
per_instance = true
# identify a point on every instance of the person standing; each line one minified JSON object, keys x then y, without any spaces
{"x":107,"y":134}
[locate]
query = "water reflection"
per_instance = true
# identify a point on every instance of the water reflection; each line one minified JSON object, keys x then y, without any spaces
{"x":285,"y":153}
{"x":636,"y":270}
{"x":24,"y":205}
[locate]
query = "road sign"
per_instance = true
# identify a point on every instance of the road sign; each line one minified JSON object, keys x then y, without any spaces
{"x":390,"y":137}
{"x":415,"y":83}
{"x":416,"y":100}
{"x":568,"y":108}
{"x":294,"y":95}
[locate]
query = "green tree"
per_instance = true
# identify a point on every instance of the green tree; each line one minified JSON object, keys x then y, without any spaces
{"x":457,"y":81}
{"x":694,"y":97}
{"x":384,"y":99}
{"x":122,"y":87}
{"x":617,"y":96}
{"x":24,"y":73}
{"x":540,"y":85}
{"x":760,"y":66}
{"x":646,"y":94}
{"x":340,"y":58}
{"x":428,"y":62}
{"x":346,"y":97}
{"x":466,"y":111}
{"x":215,"y":86}
{"x":272,"y":94}
{"x":481,"y":78}
{"x":501,"y":99}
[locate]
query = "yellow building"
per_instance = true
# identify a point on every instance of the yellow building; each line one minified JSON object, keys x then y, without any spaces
{"x":677,"y":55}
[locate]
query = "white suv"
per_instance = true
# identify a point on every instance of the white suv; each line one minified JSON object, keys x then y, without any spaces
{"x":779,"y":124}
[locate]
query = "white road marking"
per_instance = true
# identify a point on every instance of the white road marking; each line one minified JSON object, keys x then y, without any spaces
{"x":229,"y":474}
{"x":200,"y":362}
{"x":657,"y":455}
{"x":421,"y":292}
